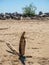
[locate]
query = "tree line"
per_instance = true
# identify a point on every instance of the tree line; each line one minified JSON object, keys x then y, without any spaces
{"x":28,"y":11}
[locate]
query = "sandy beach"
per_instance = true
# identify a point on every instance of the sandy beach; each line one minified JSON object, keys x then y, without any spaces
{"x":37,"y":41}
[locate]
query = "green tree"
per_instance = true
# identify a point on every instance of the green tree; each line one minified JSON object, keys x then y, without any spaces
{"x":29,"y":10}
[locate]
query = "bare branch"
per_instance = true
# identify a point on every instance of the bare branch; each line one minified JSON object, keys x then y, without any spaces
{"x":12,"y":49}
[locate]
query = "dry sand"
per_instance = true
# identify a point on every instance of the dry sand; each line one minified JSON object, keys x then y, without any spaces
{"x":37,"y":41}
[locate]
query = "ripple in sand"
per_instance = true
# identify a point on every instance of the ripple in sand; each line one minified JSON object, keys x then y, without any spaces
{"x":44,"y":61}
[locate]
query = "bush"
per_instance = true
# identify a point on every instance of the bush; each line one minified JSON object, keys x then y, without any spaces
{"x":29,"y":10}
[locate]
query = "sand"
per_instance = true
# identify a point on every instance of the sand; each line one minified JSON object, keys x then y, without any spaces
{"x":37,"y":41}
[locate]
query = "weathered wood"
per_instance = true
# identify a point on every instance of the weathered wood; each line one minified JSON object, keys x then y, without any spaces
{"x":22,"y":44}
{"x":12,"y":49}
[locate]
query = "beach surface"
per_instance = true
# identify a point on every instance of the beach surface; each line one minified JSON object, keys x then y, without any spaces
{"x":37,"y":41}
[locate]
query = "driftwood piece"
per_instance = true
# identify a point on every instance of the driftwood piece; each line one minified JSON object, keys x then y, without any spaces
{"x":22,"y":44}
{"x":12,"y":49}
